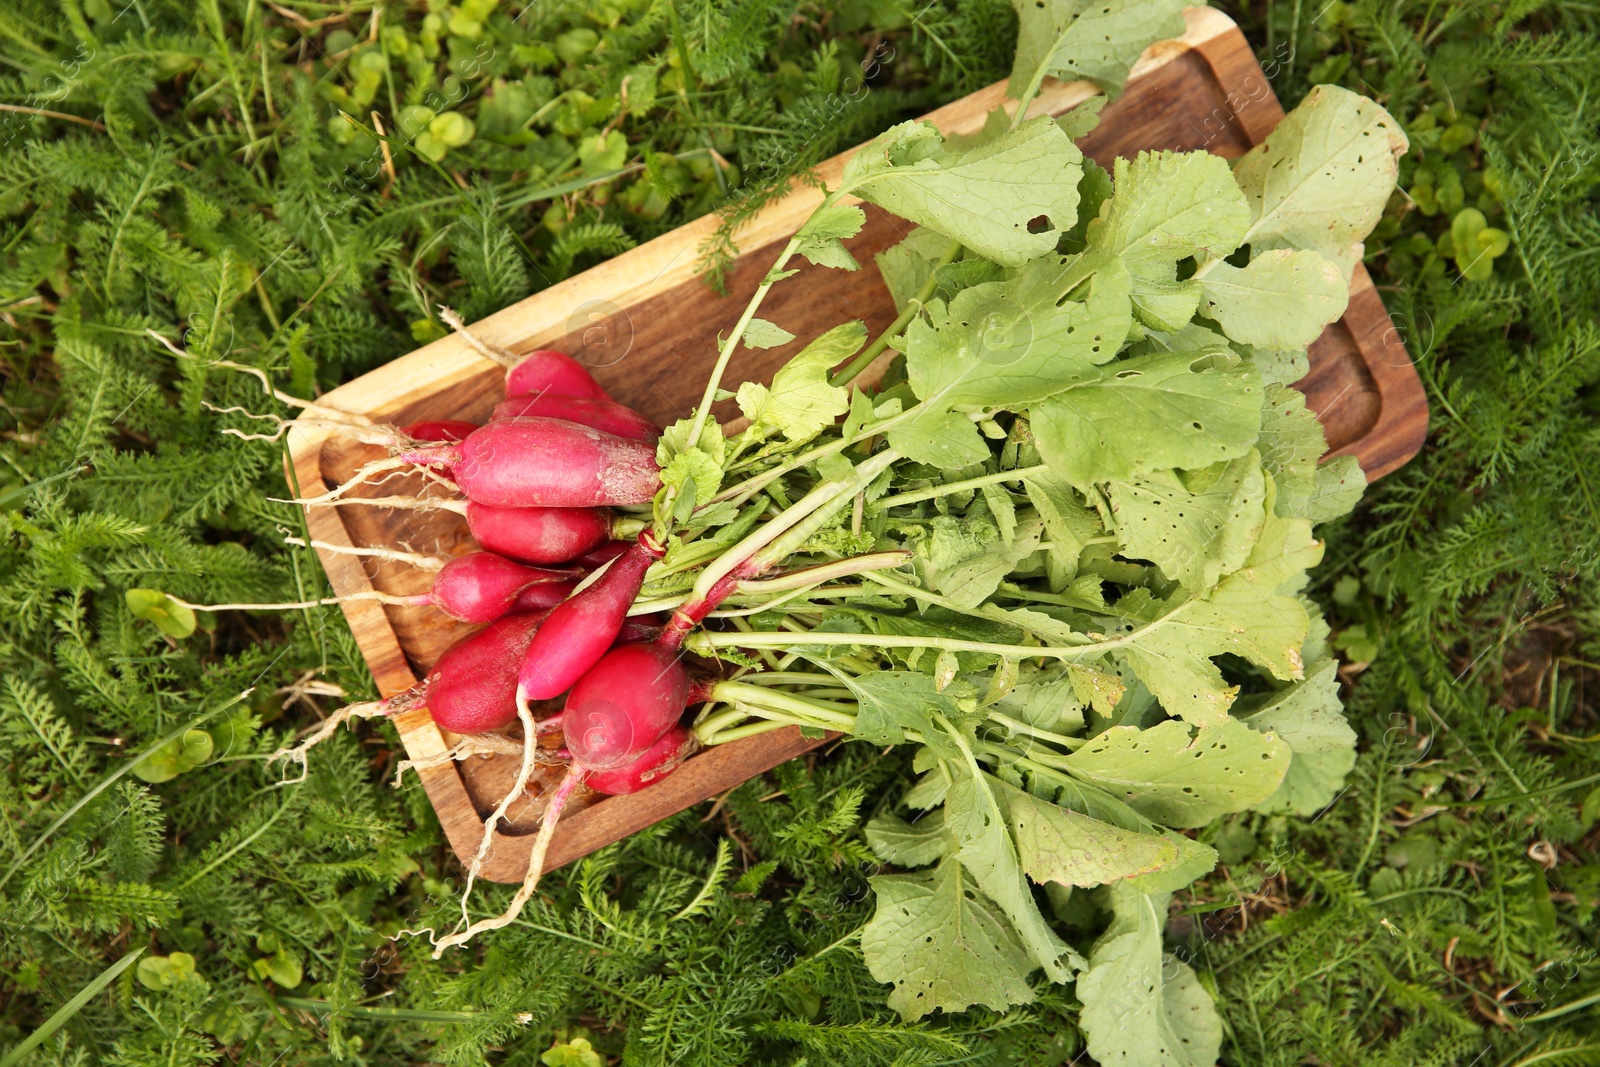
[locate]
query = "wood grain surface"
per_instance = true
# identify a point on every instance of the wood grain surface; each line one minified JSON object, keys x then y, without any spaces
{"x":646,"y":325}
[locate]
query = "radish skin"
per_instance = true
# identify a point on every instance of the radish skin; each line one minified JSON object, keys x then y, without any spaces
{"x":599,"y":557}
{"x":483,"y":586}
{"x":540,"y":535}
{"x":624,"y":704}
{"x":553,"y":373}
{"x":654,"y":764}
{"x":578,"y":632}
{"x":472,"y":689}
{"x":607,"y":415}
{"x":542,"y":596}
{"x":538,"y":462}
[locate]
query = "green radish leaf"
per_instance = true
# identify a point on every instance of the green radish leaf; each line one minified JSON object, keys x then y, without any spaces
{"x":943,"y":945}
{"x":908,"y":844}
{"x":1168,"y":207}
{"x":1195,"y":860}
{"x":1174,"y":409}
{"x":975,"y":195}
{"x":169,"y":616}
{"x":1308,"y":717}
{"x":945,"y":439}
{"x":985,"y":848}
{"x":892,"y":702}
{"x":800,"y":403}
{"x":822,"y":237}
{"x":1181,"y":776}
{"x":1321,"y":178}
{"x":1142,"y":1008}
{"x":1007,"y":343}
{"x":1098,"y":41}
{"x":1194,"y":537}
{"x":1083,"y":119}
{"x":698,"y":468}
{"x":970,"y":582}
{"x":1099,"y":689}
{"x":1292,"y":444}
{"x":1281,"y":300}
{"x":1248,"y":614}
{"x":1337,"y":487}
{"x":759,"y":333}
{"x":1057,"y":844}
{"x":907,"y":266}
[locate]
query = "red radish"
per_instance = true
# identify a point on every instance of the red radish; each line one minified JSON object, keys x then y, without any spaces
{"x":439,"y":430}
{"x":623,"y":705}
{"x":539,"y":462}
{"x":540,"y":535}
{"x":555,"y":373}
{"x":583,"y":627}
{"x":542,"y":596}
{"x":612,"y":724}
{"x":639,"y":629}
{"x":657,"y":761}
{"x":607,"y":415}
{"x":482,"y":586}
{"x":599,"y":557}
{"x":472,"y":688}
{"x":477,"y":587}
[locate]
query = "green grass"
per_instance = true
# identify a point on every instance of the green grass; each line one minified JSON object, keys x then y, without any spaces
{"x":1440,"y":912}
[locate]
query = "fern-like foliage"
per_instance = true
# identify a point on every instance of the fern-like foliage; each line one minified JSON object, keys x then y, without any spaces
{"x":1440,"y":909}
{"x":248,"y":183}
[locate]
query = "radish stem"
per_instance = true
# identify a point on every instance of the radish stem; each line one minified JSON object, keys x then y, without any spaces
{"x":913,"y":307}
{"x":949,"y":488}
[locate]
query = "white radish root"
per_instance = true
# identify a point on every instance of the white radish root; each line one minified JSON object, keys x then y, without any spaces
{"x":480,"y":346}
{"x":466,"y":748}
{"x":372,"y":435}
{"x":420,"y":600}
{"x":530,"y":882}
{"x":414,"y":503}
{"x":413,"y":559}
{"x":528,"y":749}
{"x":367,"y":710}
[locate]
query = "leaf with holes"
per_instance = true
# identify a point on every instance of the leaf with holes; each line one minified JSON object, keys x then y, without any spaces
{"x":943,"y":945}
{"x":1007,"y":199}
{"x":1098,"y":40}
{"x":1195,"y":533}
{"x":1321,"y":178}
{"x":1142,"y":1008}
{"x":1184,"y":776}
{"x":1167,"y":410}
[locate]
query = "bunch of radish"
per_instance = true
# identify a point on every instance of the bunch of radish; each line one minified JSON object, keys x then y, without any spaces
{"x":543,"y":487}
{"x":555,"y":576}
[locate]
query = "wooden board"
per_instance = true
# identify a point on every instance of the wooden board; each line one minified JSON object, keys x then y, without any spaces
{"x":646,"y":325}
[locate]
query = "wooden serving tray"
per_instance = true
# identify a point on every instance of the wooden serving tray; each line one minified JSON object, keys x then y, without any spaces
{"x":646,"y":325}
